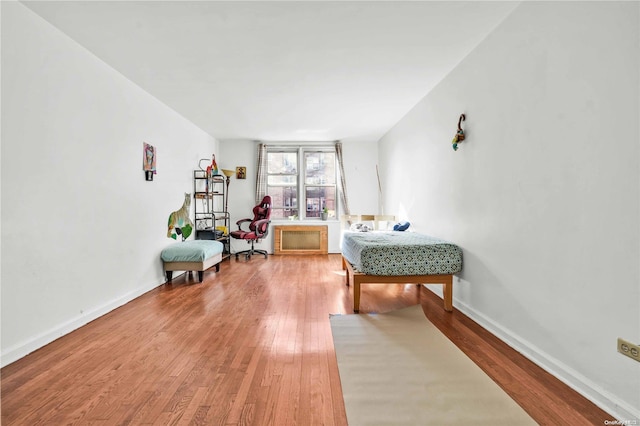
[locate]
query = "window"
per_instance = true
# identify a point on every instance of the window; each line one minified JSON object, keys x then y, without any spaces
{"x":282,"y":183}
{"x":300,"y":173}
{"x":319,"y":182}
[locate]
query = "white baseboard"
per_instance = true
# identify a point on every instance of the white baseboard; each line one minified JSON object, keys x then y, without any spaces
{"x":576,"y":381}
{"x":22,"y":349}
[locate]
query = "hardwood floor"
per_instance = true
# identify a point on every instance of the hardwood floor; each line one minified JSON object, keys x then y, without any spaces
{"x":250,"y":345}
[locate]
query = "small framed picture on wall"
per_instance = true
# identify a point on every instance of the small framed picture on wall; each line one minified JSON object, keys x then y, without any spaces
{"x":241,"y":172}
{"x":148,"y":160}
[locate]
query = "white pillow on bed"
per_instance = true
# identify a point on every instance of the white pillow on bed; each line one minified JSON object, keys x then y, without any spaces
{"x":361,"y":227}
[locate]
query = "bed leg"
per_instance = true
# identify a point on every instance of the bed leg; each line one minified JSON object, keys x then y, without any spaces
{"x":448,"y":293}
{"x":344,"y":268}
{"x":356,"y":297}
{"x":200,"y":275}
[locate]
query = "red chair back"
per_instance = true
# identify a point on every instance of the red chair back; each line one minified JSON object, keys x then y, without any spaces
{"x":261,"y":212}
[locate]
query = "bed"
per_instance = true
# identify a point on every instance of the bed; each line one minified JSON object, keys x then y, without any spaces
{"x":383,"y":257}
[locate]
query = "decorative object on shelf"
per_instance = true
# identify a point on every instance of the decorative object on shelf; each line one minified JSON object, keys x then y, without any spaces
{"x":179,"y":222}
{"x":459,"y":137}
{"x":212,"y":169}
{"x":148,"y":161}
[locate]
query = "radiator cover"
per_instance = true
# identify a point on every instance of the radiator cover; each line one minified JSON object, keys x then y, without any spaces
{"x":300,"y":239}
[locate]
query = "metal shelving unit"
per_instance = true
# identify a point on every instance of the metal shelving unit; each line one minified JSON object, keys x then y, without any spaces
{"x":211,"y":219}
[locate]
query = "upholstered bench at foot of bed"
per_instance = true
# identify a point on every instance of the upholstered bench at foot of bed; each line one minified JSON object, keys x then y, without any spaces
{"x":192,"y":255}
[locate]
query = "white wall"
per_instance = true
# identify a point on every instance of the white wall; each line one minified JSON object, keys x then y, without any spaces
{"x":82,"y":230}
{"x":543,"y":196}
{"x":359,"y":162}
{"x":234,"y":153}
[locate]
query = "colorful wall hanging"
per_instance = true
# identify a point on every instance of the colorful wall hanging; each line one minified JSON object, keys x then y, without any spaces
{"x":459,"y":137}
{"x":179,"y":222}
{"x":148,"y":160}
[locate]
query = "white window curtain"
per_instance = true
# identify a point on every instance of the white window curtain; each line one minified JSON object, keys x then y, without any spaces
{"x":343,"y":182}
{"x":261,"y":174}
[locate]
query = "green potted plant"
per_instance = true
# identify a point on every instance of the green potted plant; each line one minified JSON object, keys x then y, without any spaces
{"x":325,"y":213}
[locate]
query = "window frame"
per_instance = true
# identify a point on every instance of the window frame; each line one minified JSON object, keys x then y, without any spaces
{"x":301,"y":174}
{"x":271,"y":150}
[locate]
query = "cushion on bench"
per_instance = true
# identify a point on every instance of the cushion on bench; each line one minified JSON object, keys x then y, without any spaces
{"x":191,"y":251}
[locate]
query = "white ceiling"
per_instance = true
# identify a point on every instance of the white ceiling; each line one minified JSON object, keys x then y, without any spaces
{"x":276,"y":71}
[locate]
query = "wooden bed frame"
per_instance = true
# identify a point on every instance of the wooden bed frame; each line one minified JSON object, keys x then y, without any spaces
{"x":358,"y":278}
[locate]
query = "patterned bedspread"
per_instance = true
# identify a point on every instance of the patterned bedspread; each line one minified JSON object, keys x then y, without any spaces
{"x":400,"y":253}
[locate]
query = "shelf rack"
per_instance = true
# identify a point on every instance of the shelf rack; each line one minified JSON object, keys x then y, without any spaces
{"x":211,"y":219}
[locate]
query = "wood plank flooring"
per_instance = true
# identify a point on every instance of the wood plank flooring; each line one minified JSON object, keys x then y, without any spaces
{"x":251,"y":345}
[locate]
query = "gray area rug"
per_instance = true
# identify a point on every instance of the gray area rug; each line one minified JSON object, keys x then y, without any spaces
{"x":397,"y":368}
